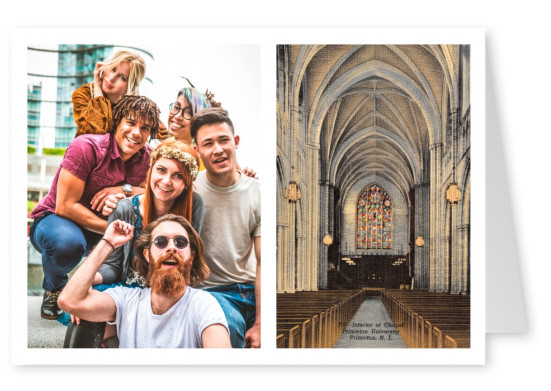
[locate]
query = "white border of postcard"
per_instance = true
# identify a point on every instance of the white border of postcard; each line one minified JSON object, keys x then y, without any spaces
{"x":266,"y":39}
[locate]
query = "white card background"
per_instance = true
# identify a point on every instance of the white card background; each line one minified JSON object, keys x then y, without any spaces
{"x":517,"y":55}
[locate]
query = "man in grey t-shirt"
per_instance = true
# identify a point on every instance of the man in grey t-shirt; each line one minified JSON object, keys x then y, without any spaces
{"x":231,"y":226}
{"x":168,"y":313}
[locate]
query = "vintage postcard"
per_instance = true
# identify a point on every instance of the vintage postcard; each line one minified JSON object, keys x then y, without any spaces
{"x":374,"y":196}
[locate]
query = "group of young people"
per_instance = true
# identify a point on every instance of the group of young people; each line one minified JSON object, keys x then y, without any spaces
{"x":168,"y":221}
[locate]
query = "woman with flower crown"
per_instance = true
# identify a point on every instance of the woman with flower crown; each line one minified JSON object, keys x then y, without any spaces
{"x":169,"y":189}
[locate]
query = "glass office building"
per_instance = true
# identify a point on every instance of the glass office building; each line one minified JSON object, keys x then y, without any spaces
{"x":53,"y":74}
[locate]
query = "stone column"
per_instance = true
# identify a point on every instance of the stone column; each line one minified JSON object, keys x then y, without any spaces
{"x":453,"y":264}
{"x":301,"y":265}
{"x":326,"y":227}
{"x":291,"y":251}
{"x":282,"y":257}
{"x":422,"y":264}
{"x":464,"y":256}
{"x":435,"y":244}
{"x":288,"y":244}
{"x":316,"y":257}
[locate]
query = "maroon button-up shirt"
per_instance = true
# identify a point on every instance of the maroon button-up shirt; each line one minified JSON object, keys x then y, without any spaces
{"x":96,"y":160}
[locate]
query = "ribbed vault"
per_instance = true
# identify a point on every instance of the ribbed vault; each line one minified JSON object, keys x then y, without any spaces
{"x":349,"y":115}
{"x":373,"y":112}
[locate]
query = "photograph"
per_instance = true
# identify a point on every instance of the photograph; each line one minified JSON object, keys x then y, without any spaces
{"x":113,"y":156}
{"x":373,"y":195}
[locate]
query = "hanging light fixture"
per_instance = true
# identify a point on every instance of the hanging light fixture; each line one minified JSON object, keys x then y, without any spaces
{"x":292,"y":192}
{"x":453,"y":194}
{"x":327,"y":240}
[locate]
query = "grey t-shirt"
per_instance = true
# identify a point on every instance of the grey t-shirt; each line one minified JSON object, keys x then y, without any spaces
{"x":180,"y":327}
{"x":231,"y":221}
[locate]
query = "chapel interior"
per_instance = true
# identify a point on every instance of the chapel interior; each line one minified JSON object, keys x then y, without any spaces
{"x":373,"y":190}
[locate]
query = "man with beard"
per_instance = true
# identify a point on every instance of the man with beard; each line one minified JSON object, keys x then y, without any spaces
{"x":167,"y":313}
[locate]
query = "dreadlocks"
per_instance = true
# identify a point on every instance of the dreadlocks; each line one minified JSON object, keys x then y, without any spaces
{"x":139,"y":107}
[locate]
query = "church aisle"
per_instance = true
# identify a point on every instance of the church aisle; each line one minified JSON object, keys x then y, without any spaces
{"x":371,"y":327}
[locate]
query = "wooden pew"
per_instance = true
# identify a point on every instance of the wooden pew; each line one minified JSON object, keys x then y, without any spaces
{"x":457,"y":340}
{"x":429,"y":320}
{"x":280,"y":341}
{"x":315,"y":319}
{"x":291,"y":335}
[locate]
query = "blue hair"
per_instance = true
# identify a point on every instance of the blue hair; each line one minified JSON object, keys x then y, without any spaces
{"x":196,"y":99}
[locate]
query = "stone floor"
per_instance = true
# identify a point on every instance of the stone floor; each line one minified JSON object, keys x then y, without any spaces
{"x":371,"y":327}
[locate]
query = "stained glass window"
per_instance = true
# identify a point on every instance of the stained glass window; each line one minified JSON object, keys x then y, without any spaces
{"x":374,"y":218}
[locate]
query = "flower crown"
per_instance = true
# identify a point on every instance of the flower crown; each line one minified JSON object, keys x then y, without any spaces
{"x":174,"y":153}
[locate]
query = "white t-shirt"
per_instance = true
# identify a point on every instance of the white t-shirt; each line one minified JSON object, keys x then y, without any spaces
{"x":180,"y":327}
{"x":232,"y":220}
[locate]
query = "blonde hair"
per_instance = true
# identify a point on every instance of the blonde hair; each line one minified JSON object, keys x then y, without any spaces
{"x":137,"y":68}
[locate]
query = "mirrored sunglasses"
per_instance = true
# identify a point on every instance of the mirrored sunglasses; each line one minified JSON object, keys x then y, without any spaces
{"x":180,"y":242}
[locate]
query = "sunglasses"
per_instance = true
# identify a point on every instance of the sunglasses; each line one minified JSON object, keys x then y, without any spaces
{"x":180,"y":242}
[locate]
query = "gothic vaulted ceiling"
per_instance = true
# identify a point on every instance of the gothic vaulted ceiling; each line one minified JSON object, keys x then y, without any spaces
{"x":376,"y":109}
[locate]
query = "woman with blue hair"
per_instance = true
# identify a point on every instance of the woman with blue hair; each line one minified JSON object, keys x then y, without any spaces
{"x":188,"y":103}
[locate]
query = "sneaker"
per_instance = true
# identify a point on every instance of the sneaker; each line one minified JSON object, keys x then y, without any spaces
{"x":49,"y":308}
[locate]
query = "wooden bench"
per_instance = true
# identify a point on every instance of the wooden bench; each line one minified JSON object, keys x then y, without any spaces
{"x":291,"y":335}
{"x":280,"y":341}
{"x":457,"y":340}
{"x":315,"y":319}
{"x":429,"y":320}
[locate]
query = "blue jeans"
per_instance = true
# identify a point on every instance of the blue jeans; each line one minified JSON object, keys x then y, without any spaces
{"x":62,"y":244}
{"x":239,"y":305}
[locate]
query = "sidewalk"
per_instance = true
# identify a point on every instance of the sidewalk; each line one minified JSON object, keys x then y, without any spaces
{"x":42,"y":333}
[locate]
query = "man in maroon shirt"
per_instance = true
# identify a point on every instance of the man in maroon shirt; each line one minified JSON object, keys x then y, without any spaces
{"x":68,"y":221}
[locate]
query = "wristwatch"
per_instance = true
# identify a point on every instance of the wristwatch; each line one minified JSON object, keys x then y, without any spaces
{"x":127,"y":189}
